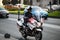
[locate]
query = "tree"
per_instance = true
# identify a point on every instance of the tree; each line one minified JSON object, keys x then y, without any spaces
{"x":4,"y":2}
{"x":14,"y":2}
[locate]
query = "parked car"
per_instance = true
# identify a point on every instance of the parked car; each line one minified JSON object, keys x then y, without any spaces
{"x":54,"y":7}
{"x":4,"y":13}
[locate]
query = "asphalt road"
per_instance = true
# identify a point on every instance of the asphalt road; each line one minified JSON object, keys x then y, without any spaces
{"x":51,"y":30}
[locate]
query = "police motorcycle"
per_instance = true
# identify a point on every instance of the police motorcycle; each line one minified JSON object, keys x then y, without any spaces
{"x":32,"y":28}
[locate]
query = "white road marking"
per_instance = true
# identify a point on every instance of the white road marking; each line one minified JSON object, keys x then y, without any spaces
{"x":51,"y":26}
{"x":45,"y":24}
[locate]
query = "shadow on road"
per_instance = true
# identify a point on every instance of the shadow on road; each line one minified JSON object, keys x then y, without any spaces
{"x":24,"y":39}
{"x":21,"y":39}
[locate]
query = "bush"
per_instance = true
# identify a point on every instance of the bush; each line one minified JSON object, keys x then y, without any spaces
{"x":16,"y":12}
{"x":11,"y":7}
{"x":54,"y":14}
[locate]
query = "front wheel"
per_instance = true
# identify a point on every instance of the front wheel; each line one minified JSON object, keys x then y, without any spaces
{"x":38,"y":36}
{"x":24,"y":35}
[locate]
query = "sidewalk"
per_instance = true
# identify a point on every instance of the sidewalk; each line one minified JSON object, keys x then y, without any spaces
{"x":2,"y":38}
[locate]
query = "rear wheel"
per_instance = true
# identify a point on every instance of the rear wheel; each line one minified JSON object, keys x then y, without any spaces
{"x":7,"y":16}
{"x":38,"y":36}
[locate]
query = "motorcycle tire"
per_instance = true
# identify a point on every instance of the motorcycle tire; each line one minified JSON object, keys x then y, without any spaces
{"x":24,"y":35}
{"x":38,"y":36}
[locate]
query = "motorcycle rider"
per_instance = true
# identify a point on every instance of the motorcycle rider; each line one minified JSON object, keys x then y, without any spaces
{"x":27,"y":15}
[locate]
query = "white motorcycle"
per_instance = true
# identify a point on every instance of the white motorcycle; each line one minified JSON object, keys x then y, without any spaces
{"x":32,"y":29}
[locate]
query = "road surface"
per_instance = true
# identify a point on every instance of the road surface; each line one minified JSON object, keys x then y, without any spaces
{"x":51,"y":29}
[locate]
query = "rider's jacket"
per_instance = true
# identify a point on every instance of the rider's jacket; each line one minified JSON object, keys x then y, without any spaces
{"x":27,"y":16}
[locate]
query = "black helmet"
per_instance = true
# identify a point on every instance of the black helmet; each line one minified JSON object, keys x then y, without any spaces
{"x":29,"y":8}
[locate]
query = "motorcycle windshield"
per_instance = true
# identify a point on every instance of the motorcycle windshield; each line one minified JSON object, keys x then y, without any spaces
{"x":34,"y":9}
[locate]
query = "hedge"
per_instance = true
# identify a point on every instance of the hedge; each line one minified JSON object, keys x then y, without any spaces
{"x":14,"y":8}
{"x":54,"y":14}
{"x":16,"y":12}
